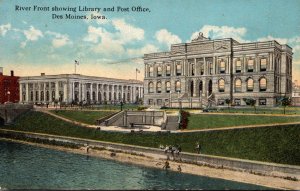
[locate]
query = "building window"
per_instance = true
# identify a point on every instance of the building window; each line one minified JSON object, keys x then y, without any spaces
{"x":238,"y":66}
{"x":238,"y":85}
{"x":168,"y":87}
{"x":168,"y":70}
{"x":221,"y":85}
{"x":177,"y":86}
{"x":263,"y":64}
{"x":250,"y":85}
{"x":262,"y":101}
{"x":237,"y":102}
{"x":201,"y":68}
{"x":250,"y":65}
{"x":151,"y":71}
{"x":211,"y":69}
{"x":221,"y":102}
{"x":31,"y":96}
{"x":159,"y":101}
{"x":159,"y":71}
{"x":193,"y":69}
{"x":263,"y":84}
{"x":150,"y":101}
{"x":42,"y":95}
{"x":158,"y":87}
{"x":222,"y":67}
{"x":178,"y":69}
{"x":150,"y":86}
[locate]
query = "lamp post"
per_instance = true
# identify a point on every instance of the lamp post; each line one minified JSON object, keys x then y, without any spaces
{"x":8,"y":96}
{"x":170,"y":99}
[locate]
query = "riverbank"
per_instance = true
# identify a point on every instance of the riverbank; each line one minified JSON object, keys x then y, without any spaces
{"x":157,"y":161}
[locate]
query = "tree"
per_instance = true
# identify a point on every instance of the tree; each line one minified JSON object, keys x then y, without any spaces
{"x":227,"y":101}
{"x":251,"y":101}
{"x":285,"y":101}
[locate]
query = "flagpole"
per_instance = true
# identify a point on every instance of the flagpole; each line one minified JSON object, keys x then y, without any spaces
{"x":135,"y":74}
{"x":75,"y":67}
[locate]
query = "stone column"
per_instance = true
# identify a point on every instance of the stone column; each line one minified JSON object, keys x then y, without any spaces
{"x":205,"y":66}
{"x":20,"y":93}
{"x":56,"y":91}
{"x":27,"y":92}
{"x":44,"y":92}
{"x":195,"y":88}
{"x":91,"y":92}
{"x":97,"y":90}
{"x":65,"y":92}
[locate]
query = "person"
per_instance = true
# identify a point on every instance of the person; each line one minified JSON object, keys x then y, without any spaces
{"x":179,"y":168}
{"x":198,"y":147}
{"x":167,"y":165}
{"x":87,"y":148}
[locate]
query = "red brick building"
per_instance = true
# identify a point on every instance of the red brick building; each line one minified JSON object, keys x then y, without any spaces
{"x":9,"y":87}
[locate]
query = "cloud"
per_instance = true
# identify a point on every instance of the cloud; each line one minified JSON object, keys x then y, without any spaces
{"x":149,"y":48}
{"x":127,"y":32}
{"x":217,"y":32}
{"x":112,"y":38}
{"x":4,"y":29}
{"x":59,"y":40}
{"x":33,"y":34}
{"x":269,"y":38}
{"x":165,"y":37}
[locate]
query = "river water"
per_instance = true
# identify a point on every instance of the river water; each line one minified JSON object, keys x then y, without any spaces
{"x":30,"y":167}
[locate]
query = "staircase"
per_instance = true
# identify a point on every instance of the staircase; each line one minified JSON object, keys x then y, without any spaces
{"x":172,"y":122}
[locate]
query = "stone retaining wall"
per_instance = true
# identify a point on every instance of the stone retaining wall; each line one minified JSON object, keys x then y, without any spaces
{"x":256,"y":167}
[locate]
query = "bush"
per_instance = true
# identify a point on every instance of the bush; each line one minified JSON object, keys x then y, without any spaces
{"x":184,"y":119}
{"x":140,"y":108}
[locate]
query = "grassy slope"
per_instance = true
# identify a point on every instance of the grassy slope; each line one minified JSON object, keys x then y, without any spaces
{"x":276,"y":110}
{"x":204,"y":121}
{"x":88,"y":117}
{"x":271,"y":144}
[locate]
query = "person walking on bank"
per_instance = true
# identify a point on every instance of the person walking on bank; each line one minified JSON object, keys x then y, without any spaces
{"x":167,"y":165}
{"x":198,"y":148}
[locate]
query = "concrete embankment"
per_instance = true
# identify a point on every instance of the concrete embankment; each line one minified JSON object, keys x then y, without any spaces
{"x":260,"y":173}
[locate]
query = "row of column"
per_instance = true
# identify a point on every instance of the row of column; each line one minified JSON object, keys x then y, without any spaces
{"x":66,"y":93}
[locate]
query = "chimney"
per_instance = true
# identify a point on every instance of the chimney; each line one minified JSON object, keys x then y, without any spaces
{"x":42,"y":74}
{"x":11,"y":73}
{"x":1,"y":71}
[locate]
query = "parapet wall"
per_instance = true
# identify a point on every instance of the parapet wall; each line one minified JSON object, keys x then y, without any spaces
{"x":263,"y":168}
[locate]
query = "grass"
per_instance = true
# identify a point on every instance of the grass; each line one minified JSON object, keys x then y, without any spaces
{"x":279,"y":144}
{"x":88,"y":117}
{"x":267,"y":110}
{"x":205,"y":121}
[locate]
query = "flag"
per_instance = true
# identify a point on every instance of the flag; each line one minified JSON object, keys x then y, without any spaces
{"x":137,"y":70}
{"x":76,"y":62}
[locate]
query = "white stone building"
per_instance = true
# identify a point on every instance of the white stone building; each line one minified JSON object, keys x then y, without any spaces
{"x":205,"y":72}
{"x":66,"y":88}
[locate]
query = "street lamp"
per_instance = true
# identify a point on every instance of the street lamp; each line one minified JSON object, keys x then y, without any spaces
{"x":8,"y":95}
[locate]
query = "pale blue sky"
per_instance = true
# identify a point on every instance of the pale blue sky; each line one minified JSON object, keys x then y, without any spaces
{"x":32,"y":42}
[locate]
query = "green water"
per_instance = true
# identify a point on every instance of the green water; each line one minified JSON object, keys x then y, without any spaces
{"x":30,"y":167}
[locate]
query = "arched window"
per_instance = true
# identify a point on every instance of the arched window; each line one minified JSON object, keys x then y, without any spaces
{"x":263,"y":84}
{"x":168,"y":70}
{"x":193,"y":69}
{"x":177,"y":86}
{"x":159,"y":71}
{"x":158,"y":87}
{"x":168,"y":87}
{"x":250,"y":85}
{"x":150,"y":87}
{"x":221,"y":85}
{"x":238,"y":85}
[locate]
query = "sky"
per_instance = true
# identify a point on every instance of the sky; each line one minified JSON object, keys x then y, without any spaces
{"x":33,"y":41}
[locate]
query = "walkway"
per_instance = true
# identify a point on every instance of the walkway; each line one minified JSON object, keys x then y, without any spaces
{"x":147,"y":128}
